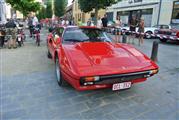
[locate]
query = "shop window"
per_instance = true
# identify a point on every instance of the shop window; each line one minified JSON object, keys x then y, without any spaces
{"x":175,"y":14}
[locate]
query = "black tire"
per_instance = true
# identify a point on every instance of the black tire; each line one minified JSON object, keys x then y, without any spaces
{"x":163,"y":40}
{"x":49,"y":54}
{"x":59,"y":77}
{"x":149,"y":36}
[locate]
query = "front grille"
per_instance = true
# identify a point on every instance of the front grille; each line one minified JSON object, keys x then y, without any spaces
{"x":111,"y":79}
{"x":119,"y":78}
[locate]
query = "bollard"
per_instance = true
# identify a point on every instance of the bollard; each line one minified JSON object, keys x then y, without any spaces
{"x":154,"y":51}
{"x":124,"y":38}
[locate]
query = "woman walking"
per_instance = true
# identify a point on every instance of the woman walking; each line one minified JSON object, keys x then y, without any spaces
{"x":141,"y":31}
{"x":117,"y":29}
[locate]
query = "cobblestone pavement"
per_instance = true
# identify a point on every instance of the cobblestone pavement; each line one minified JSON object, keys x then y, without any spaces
{"x":29,"y":90}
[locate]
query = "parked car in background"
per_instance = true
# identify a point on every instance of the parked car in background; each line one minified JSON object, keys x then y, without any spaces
{"x":86,"y":59}
{"x":168,"y":34}
{"x":149,"y":31}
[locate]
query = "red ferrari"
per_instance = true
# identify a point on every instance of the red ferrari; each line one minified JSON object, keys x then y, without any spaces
{"x":86,"y":58}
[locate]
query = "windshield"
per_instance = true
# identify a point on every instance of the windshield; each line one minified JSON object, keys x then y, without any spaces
{"x":85,"y":35}
{"x":175,"y":27}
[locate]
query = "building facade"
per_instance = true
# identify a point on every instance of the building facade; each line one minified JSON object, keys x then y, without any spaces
{"x":153,"y":11}
{"x":84,"y":17}
{"x":69,"y":12}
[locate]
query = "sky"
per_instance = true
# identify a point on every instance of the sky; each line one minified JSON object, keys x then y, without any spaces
{"x":69,"y":2}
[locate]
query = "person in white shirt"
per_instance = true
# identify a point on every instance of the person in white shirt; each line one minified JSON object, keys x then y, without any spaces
{"x":65,"y":22}
{"x":99,"y":23}
{"x":35,"y":21}
{"x":118,"y":30}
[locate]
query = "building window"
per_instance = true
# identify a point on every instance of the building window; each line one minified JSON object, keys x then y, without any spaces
{"x":137,"y":1}
{"x":175,"y":14}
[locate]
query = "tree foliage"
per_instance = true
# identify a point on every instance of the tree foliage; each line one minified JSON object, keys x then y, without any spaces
{"x":89,"y":5}
{"x":24,"y":6}
{"x":42,"y":13}
{"x":48,"y":11}
{"x":59,"y":7}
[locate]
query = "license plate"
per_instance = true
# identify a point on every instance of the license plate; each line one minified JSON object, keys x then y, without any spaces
{"x":121,"y":86}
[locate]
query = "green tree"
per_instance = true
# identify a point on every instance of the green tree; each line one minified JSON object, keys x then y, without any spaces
{"x":41,"y":14}
{"x":49,"y":9}
{"x":59,"y":7}
{"x":89,"y":5}
{"x":24,"y":6}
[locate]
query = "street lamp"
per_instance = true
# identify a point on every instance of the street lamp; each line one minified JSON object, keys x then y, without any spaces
{"x":158,"y":19}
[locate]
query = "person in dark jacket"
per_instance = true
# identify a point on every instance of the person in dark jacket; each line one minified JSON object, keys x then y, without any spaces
{"x":132,"y":27}
{"x":2,"y":35}
{"x":105,"y":21}
{"x":11,"y":32}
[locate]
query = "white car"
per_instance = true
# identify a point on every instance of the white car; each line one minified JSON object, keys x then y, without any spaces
{"x":150,"y":31}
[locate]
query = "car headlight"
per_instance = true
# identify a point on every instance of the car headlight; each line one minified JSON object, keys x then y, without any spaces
{"x":153,"y":71}
{"x":91,"y":79}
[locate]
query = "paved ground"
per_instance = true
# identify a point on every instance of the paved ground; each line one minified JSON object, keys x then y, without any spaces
{"x":29,"y":90}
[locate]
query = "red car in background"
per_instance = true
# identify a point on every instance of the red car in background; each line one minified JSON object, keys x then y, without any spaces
{"x":168,"y":34}
{"x":87,"y":59}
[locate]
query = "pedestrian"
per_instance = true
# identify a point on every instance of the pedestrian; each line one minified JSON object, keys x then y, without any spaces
{"x":73,"y":21}
{"x":65,"y":22}
{"x":30,"y":24}
{"x":11,"y":32}
{"x":117,"y":29}
{"x":99,"y":22}
{"x":104,"y":21}
{"x":132,"y":28}
{"x":80,"y":22}
{"x":89,"y":22}
{"x":35,"y":21}
{"x":141,"y":31}
{"x":2,"y":35}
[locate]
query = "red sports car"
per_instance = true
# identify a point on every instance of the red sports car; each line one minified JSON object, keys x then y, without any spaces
{"x":87,"y":59}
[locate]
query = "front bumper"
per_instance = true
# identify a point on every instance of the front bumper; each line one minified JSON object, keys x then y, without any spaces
{"x":119,"y":78}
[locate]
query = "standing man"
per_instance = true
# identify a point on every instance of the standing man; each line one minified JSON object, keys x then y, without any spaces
{"x":35,"y":21}
{"x":30,"y":21}
{"x":2,"y":35}
{"x":11,"y":31}
{"x":104,"y":21}
{"x":132,"y":28}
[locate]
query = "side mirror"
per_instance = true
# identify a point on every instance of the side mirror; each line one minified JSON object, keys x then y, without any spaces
{"x":50,"y":29}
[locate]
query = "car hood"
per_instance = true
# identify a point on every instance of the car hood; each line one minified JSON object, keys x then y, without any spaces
{"x":101,"y":58}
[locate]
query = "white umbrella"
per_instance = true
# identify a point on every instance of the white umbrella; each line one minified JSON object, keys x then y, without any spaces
{"x":2,"y":12}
